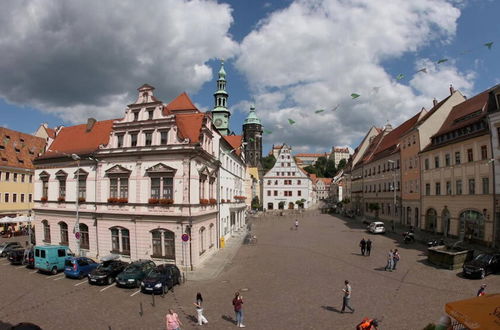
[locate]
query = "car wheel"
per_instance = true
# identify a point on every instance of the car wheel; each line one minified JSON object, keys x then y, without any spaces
{"x":178,"y":282}
{"x":3,"y":255}
{"x":110,"y":280}
{"x":80,"y":276}
{"x":483,"y":273}
{"x":165,"y":289}
{"x":137,"y":284}
{"x":53,"y":271}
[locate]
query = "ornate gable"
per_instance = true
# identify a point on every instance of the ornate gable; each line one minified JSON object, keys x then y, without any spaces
{"x":161,"y":168}
{"x":118,"y":170}
{"x":61,"y":174}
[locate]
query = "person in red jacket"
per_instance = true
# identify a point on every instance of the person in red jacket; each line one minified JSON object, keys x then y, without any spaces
{"x":367,"y":324}
{"x":238,"y":309}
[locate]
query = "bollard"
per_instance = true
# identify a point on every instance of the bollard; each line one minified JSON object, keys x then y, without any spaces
{"x":153,"y":295}
{"x":141,"y":312}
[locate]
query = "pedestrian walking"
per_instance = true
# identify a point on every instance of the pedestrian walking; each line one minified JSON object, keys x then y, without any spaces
{"x":199,"y":310}
{"x":347,"y":297}
{"x":395,"y":258}
{"x":238,"y":309}
{"x":172,"y":320}
{"x":390,"y":260}
{"x":362,"y":245}
{"x":481,"y":292}
{"x":368,"y":247}
{"x":296,"y":224}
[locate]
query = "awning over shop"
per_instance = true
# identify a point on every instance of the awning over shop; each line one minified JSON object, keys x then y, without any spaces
{"x":22,"y":218}
{"x":481,"y":313}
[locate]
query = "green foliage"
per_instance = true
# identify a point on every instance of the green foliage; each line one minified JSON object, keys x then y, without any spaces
{"x":255,"y":203}
{"x":268,"y":162}
{"x":310,"y":169}
{"x":330,"y":169}
{"x":323,"y":168}
{"x":430,"y":326}
{"x":346,"y":201}
{"x":341,"y":164}
{"x":374,"y":206}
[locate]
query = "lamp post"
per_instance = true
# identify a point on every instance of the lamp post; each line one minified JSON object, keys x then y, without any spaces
{"x":77,"y":203}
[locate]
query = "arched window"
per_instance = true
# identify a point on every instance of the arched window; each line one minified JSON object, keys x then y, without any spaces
{"x":163,"y":243}
{"x":430,"y":220}
{"x":472,"y":224}
{"x":211,"y":232}
{"x":63,"y":227}
{"x":446,"y":219}
{"x":120,"y":240}
{"x":84,"y":236}
{"x":202,"y":240}
{"x":46,"y":231}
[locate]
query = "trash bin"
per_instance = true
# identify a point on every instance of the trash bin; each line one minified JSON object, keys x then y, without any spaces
{"x":222,"y":242}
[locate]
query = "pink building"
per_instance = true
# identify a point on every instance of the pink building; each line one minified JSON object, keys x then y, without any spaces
{"x":140,"y":181}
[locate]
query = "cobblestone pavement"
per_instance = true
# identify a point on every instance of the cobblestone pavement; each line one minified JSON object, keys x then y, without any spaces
{"x":289,"y":280}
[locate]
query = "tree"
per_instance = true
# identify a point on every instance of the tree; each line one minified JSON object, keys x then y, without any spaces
{"x":342,"y":164}
{"x":255,"y":203}
{"x":268,"y":163}
{"x":310,"y":169}
{"x":330,"y":169}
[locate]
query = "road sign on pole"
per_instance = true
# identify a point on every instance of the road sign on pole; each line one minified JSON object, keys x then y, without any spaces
{"x":77,"y":235}
{"x":185,"y":237}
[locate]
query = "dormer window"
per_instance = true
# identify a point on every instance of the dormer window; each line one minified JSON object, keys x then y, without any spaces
{"x":498,"y":100}
{"x":148,"y":138}
{"x":151,"y":114}
{"x":136,"y":115}
{"x":164,"y":137}
{"x":133,"y":139}
{"x":119,"y":141}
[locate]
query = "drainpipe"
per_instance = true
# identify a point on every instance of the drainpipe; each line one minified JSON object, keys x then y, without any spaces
{"x":95,"y":207}
{"x":493,"y":210}
{"x":190,"y":226}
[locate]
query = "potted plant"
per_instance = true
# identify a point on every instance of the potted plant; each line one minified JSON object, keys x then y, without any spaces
{"x":223,"y":200}
{"x":204,"y":201}
{"x":61,"y":199}
{"x":123,"y":200}
{"x":153,"y":201}
{"x":212,"y":201}
{"x":81,"y":199}
{"x":112,"y":200}
{"x":44,"y":199}
{"x":166,"y":201}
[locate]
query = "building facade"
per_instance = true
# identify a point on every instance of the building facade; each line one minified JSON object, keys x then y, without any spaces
{"x":494,"y":121}
{"x":135,"y":184}
{"x":339,"y":153}
{"x":305,"y":159}
{"x":286,"y":186}
{"x":17,"y":152}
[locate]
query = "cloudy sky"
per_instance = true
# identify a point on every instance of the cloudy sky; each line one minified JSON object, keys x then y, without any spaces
{"x":66,"y":60}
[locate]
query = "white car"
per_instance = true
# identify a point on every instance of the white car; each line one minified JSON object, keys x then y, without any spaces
{"x":376,"y":227}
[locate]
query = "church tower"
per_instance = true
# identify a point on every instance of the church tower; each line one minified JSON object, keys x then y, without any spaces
{"x":220,"y":112}
{"x":252,"y":135}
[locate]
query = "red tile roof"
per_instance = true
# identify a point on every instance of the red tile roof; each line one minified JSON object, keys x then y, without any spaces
{"x":189,"y":126}
{"x":367,"y":156}
{"x":327,"y":180}
{"x":235,"y":142}
{"x":462,"y":110}
{"x":312,"y":155}
{"x":390,"y":141}
{"x":18,"y":149}
{"x":313,"y":177}
{"x":181,"y":103}
{"x":76,"y":139}
{"x":50,"y":132}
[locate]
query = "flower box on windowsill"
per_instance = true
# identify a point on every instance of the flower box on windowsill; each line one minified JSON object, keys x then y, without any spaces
{"x":61,"y":199}
{"x":122,"y":253}
{"x":204,"y":201}
{"x":153,"y":201}
{"x":81,"y":200}
{"x":212,"y":201}
{"x":166,"y":201}
{"x":44,"y":199}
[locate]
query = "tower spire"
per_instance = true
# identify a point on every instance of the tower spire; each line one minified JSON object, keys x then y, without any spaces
{"x":220,"y":112}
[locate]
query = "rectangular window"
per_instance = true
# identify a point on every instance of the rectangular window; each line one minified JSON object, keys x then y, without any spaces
{"x":472,"y":186}
{"x":275,"y":193}
{"x":427,"y":189}
{"x":459,"y":187}
{"x":448,"y":187}
{"x":438,"y":188}
{"x":82,"y":187}
{"x":119,"y":139}
{"x":470,"y":155}
{"x":7,"y":176}
{"x":30,"y":198}
{"x":22,"y":198}
{"x":62,"y":187}
{"x":486,"y":185}
{"x":148,"y":138}
{"x":151,"y":114}
{"x":136,"y":115}
{"x":113,"y":188}
{"x":457,"y":157}
{"x":426,"y":163}
{"x":167,"y":188}
{"x":23,"y":177}
{"x":14,"y":198}
{"x":15,"y":177}
{"x":447,"y":160}
{"x":155,"y":187}
{"x":484,"y":152}
{"x":436,"y":161}
{"x":123,"y":187}
{"x":269,"y":193}
{"x":31,"y":178}
{"x":133,"y":140}
{"x":299,"y":193}
{"x":45,"y":189}
{"x":163,"y":138}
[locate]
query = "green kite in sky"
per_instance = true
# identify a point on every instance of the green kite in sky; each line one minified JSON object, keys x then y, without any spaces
{"x":442,"y":60}
{"x":291,"y":121}
{"x":400,"y":76}
{"x":424,"y":70}
{"x":319,"y":111}
{"x":489,"y":44}
{"x":336,"y":107}
{"x":355,"y":96}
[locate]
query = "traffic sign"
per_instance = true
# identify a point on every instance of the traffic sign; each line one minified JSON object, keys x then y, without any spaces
{"x":77,"y":235}
{"x":185,"y":237}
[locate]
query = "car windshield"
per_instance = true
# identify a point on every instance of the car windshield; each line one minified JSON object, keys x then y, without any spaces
{"x":68,"y":262}
{"x":3,"y":245}
{"x":133,"y":269}
{"x":105,"y":266}
{"x":154,"y":274}
{"x":483,"y":258}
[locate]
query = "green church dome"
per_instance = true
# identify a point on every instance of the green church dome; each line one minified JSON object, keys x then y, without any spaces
{"x":252,"y":117}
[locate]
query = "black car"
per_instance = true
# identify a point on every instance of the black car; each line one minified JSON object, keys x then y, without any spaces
{"x":161,"y":279}
{"x":6,"y":247}
{"x":134,"y":273}
{"x":16,"y":256}
{"x":482,"y":265}
{"x":106,"y":272}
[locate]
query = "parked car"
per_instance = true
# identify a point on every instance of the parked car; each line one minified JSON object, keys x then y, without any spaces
{"x":482,"y":265}
{"x":6,"y":247}
{"x":134,"y":273}
{"x":106,"y":272}
{"x":29,"y":258}
{"x":161,"y":279}
{"x":16,"y":256}
{"x":376,"y":227}
{"x":51,"y":258}
{"x":79,"y":267}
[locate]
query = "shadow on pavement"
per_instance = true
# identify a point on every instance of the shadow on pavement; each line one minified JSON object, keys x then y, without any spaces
{"x":330,"y":308}
{"x":229,"y":319}
{"x":192,"y":318}
{"x":380,"y":269}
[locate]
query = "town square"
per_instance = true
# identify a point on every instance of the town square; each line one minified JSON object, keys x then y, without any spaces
{"x":298,"y":164}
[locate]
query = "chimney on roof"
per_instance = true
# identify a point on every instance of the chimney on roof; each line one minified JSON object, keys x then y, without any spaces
{"x":452,"y":90}
{"x":90,"y":124}
{"x":434,"y":102}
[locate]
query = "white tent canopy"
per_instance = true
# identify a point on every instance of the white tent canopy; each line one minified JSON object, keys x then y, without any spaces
{"x":22,"y":218}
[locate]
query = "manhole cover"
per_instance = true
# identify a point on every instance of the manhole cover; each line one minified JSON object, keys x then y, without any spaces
{"x":244,"y":290}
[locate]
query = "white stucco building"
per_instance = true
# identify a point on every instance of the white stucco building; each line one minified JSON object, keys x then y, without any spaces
{"x":286,"y":186}
{"x":339,"y":153}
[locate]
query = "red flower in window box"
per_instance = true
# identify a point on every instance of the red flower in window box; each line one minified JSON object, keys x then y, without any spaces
{"x":204,"y":201}
{"x":212,"y":201}
{"x":61,"y":199}
{"x":222,"y":200}
{"x":44,"y":199}
{"x":153,"y":201}
{"x":123,"y":200}
{"x":81,"y":200}
{"x":166,"y":201}
{"x":112,"y":200}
